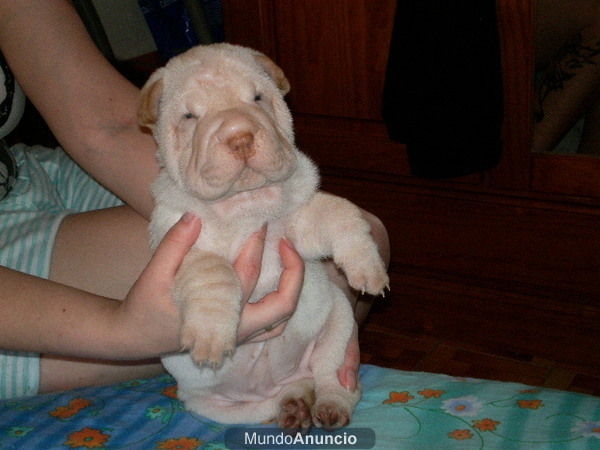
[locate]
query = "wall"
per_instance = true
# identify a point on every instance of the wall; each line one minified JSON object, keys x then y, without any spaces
{"x":125,"y":27}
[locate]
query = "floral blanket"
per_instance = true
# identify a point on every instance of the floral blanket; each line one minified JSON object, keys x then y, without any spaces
{"x":399,"y":410}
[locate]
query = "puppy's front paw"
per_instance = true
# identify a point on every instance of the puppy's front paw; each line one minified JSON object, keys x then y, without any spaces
{"x":208,"y":293}
{"x":366,"y":274}
{"x":209,"y":339}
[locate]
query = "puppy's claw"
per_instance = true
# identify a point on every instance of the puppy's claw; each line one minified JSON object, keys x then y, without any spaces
{"x":207,"y":349}
{"x":386,"y":288}
{"x":187,"y":340}
{"x":214,"y":363}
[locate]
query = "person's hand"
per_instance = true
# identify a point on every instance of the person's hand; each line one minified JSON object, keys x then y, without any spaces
{"x":149,"y":309}
{"x":273,"y":310}
{"x":267,"y":317}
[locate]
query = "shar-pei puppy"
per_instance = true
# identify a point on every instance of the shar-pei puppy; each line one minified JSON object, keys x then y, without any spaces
{"x":227,"y":154}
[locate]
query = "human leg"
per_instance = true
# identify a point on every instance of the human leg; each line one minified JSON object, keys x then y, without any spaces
{"x":41,"y":234}
{"x":102,"y":252}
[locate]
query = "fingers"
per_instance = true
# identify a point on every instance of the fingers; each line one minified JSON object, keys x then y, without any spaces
{"x":248,"y":263}
{"x":174,"y":246}
{"x":292,"y":276}
{"x":267,"y":317}
{"x":347,"y":374}
{"x":267,"y":332}
{"x":282,"y":302}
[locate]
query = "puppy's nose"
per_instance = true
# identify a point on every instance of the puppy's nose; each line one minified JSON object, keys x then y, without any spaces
{"x":238,"y":132}
{"x":241,"y":145}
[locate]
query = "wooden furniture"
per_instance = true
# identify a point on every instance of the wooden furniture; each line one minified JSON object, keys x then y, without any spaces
{"x":508,"y":259}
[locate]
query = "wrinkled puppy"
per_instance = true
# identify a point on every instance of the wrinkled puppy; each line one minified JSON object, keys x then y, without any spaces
{"x":227,"y":154}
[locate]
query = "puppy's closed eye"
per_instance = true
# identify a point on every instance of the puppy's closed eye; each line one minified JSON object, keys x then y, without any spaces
{"x":189,"y":115}
{"x":258,"y":97}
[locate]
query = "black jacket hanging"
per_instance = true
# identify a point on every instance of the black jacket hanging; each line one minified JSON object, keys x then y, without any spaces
{"x":443,"y":89}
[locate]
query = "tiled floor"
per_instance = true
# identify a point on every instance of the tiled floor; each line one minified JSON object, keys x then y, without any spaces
{"x":384,"y":347}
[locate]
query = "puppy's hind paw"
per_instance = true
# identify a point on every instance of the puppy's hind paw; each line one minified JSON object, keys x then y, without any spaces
{"x":295,"y":415}
{"x":330,"y":415}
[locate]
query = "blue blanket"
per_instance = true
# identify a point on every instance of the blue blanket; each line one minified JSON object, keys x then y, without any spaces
{"x":399,"y":410}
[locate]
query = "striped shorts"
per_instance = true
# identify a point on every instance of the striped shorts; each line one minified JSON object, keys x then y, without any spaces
{"x":49,"y":187}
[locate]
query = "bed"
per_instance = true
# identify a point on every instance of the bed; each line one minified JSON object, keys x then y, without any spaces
{"x":399,"y":410}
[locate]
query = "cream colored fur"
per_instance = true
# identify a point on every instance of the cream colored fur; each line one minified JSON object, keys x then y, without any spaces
{"x":227,"y":153}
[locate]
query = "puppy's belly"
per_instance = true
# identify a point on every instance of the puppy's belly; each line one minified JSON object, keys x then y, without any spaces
{"x":261,"y":372}
{"x":255,"y":373}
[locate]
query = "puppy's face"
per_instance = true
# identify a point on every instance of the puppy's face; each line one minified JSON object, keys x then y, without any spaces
{"x":220,"y":122}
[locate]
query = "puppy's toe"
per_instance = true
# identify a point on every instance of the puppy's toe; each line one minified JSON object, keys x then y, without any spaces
{"x":188,"y":337}
{"x":330,"y":415}
{"x":207,"y":350}
{"x":378,"y":282}
{"x":371,"y":279}
{"x":217,"y":354}
{"x":294,"y":415}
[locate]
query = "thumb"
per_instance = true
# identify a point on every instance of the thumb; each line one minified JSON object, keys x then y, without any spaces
{"x":248,"y":263}
{"x":174,"y":246}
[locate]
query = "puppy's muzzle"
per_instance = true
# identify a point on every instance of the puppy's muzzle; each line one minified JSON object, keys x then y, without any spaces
{"x":238,"y":133}
{"x":237,"y":150}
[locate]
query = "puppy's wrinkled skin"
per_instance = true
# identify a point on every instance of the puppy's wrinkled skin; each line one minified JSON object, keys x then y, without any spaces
{"x":227,"y":154}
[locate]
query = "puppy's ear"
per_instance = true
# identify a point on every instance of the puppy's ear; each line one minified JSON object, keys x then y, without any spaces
{"x":274,"y":71}
{"x":150,"y":99}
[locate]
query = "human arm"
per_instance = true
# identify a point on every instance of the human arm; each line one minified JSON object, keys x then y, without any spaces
{"x":74,"y":84}
{"x":89,"y":106}
{"x":47,"y":317}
